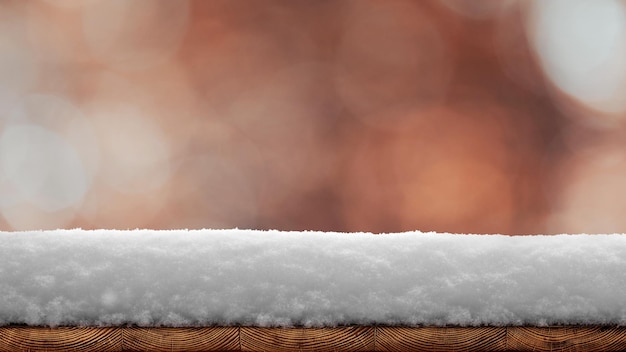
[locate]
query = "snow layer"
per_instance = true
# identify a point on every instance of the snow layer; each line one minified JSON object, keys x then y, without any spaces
{"x":226,"y":277}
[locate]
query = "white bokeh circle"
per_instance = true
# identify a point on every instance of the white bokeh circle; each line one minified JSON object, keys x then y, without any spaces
{"x":581,"y":46}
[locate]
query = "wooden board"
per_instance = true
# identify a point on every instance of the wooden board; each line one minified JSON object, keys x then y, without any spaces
{"x":60,"y":339}
{"x":349,"y":338}
{"x":441,"y":339}
{"x":567,"y":338}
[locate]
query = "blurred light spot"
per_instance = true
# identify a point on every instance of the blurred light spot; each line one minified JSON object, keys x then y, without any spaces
{"x":227,"y":73}
{"x":478,"y":9}
{"x":168,"y":88}
{"x":390,"y":55}
{"x":447,"y":173}
{"x":27,"y":216}
{"x":133,"y":35}
{"x":281,"y":114}
{"x":108,"y":208}
{"x":55,"y":36}
{"x":110,"y":86}
{"x":581,"y":46}
{"x":213,"y":191}
{"x":216,"y":182}
{"x":57,"y":114}
{"x":81,"y":134}
{"x":42,"y":170}
{"x":18,"y":69}
{"x":134,"y":151}
{"x":47,"y":110}
{"x":458,"y":190}
{"x":69,"y":136}
{"x":284,"y":118}
{"x":514,"y":53}
{"x":42,"y":167}
{"x":67,"y":4}
{"x":590,"y":193}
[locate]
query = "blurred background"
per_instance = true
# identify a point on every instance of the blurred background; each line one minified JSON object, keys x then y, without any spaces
{"x":483,"y":116}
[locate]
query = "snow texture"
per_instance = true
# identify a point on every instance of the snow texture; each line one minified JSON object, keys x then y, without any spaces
{"x":244,"y":277}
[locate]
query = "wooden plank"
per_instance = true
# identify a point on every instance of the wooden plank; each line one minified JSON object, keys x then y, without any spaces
{"x":567,"y":338}
{"x":441,"y":339}
{"x":218,"y":338}
{"x":22,"y":338}
{"x":350,"y":338}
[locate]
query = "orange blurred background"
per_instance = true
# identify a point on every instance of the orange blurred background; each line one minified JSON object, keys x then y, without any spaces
{"x":490,"y":116}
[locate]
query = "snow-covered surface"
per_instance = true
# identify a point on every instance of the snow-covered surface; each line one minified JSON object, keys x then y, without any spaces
{"x":225,"y":277}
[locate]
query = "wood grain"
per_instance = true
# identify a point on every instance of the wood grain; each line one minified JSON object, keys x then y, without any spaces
{"x":348,"y":338}
{"x":567,"y":338}
{"x":22,"y":338}
{"x":351,"y":338}
{"x":441,"y":339}
{"x":220,"y":338}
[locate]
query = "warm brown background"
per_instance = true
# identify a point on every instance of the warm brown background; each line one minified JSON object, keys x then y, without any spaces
{"x":458,"y":116}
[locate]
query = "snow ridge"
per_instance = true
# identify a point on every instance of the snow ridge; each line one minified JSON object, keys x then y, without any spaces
{"x":272,"y":278}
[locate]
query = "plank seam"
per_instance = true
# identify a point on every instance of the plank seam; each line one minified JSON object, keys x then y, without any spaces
{"x":506,"y":338}
{"x":375,"y":336}
{"x":239,"y":336}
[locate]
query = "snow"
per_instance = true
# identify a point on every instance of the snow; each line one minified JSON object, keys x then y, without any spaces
{"x":272,"y":278}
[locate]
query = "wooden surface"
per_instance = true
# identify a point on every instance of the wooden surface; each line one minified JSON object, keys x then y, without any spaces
{"x":350,"y":338}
